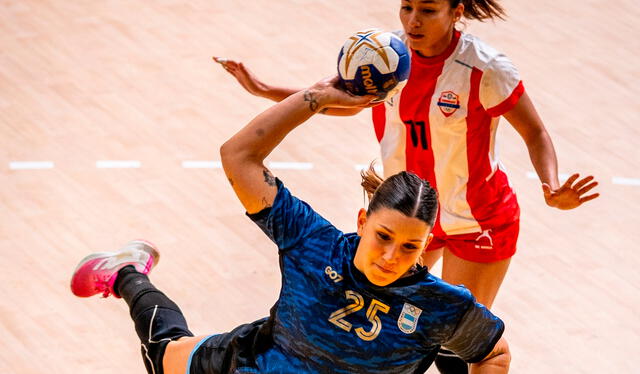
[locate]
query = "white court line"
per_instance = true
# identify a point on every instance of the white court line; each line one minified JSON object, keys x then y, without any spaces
{"x":561,"y":176}
{"x":201,"y":164}
{"x":626,"y":181}
{"x":377,"y":167}
{"x":291,"y":165}
{"x":31,"y":165}
{"x":132,"y":164}
{"x":113,"y":164}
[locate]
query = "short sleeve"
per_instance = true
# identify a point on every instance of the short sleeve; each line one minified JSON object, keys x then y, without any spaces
{"x":500,"y":86}
{"x":476,"y":334}
{"x":290,"y":221}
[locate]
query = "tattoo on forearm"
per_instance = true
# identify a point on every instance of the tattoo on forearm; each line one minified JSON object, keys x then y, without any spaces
{"x":268,"y":177}
{"x":260,"y":132}
{"x":313,"y":103}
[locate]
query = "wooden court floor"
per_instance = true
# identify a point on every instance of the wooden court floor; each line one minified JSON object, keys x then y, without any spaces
{"x":112,"y":114}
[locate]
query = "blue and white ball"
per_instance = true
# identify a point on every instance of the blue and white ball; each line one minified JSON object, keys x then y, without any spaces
{"x":374,"y":62}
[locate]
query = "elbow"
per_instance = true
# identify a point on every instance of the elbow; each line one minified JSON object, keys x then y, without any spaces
{"x":496,"y":364}
{"x":230,"y":155}
{"x":226,"y":151}
{"x":498,"y":361}
{"x":538,"y":139}
{"x":502,"y":360}
{"x":234,"y":155}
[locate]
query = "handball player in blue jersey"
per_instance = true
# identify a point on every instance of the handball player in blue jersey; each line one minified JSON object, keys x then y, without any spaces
{"x":350,"y":303}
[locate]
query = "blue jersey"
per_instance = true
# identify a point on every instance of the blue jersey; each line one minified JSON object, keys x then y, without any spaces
{"x":330,"y":318}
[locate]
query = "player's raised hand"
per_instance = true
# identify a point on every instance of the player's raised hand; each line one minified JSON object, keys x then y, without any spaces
{"x":571,"y":194}
{"x":331,"y":95}
{"x":244,"y":76}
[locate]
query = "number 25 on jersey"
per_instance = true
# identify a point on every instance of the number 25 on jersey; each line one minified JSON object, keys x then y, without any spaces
{"x":337,"y":317}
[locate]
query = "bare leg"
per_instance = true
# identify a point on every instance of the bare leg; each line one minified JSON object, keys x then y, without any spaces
{"x":176,"y":356}
{"x":482,"y":279}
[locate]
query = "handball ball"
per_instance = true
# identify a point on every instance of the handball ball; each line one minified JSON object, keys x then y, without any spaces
{"x":374,"y":62}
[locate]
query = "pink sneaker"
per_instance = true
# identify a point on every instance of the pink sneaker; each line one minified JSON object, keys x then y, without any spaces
{"x":97,"y":272}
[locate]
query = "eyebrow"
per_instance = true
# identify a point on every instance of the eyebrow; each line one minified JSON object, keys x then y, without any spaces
{"x":391,"y":231}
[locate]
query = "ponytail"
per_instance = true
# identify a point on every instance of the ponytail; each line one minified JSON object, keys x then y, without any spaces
{"x":370,"y":180}
{"x":480,"y":9}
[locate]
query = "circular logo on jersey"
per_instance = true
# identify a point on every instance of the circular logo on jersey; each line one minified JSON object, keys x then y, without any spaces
{"x":448,"y":103}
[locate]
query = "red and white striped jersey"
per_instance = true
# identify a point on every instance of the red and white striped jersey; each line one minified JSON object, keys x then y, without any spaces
{"x":442,"y":126}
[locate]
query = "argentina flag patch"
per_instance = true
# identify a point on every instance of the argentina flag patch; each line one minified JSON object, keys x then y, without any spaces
{"x":408,"y":320}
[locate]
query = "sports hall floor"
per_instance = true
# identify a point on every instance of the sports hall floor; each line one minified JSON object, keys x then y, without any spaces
{"x":118,"y":104}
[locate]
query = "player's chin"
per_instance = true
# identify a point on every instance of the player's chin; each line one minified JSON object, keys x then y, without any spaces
{"x":382,"y":279}
{"x":418,"y":44}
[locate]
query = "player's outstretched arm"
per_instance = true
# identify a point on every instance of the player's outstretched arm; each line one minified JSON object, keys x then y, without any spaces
{"x":251,"y":83}
{"x":524,"y":118}
{"x":497,"y":362}
{"x":256,"y":87}
{"x":244,"y":153}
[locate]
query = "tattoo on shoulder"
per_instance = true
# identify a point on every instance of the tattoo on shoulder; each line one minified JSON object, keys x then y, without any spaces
{"x":268,"y":177}
{"x":310,"y":98}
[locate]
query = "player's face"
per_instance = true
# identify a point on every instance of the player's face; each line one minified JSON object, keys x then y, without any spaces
{"x":429,"y":24}
{"x":390,"y":244}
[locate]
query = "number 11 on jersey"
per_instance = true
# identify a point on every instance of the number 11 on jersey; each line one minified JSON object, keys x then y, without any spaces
{"x":422,"y":140}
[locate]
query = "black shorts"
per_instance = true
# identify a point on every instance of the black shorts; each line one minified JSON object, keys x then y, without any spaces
{"x":233,"y":352}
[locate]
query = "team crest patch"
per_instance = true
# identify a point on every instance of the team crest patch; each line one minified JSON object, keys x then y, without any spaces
{"x":408,"y":320}
{"x":448,"y":103}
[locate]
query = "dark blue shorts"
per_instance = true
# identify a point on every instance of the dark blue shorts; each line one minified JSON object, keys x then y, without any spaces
{"x":233,"y":352}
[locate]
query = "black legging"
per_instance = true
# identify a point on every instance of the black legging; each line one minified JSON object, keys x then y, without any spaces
{"x":157,"y":319}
